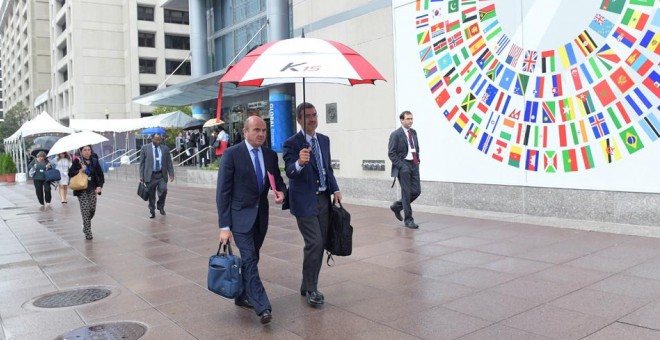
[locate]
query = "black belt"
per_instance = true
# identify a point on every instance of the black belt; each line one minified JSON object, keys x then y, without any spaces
{"x":322,"y":192}
{"x":157,"y":172}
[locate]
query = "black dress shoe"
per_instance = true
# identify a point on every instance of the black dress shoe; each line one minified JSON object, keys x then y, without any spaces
{"x":315,"y":298}
{"x":243,"y":304}
{"x":303,"y":292}
{"x":266,"y":317}
{"x":411,"y":224}
{"x":152,"y":214}
{"x":397,"y":212}
{"x":162,"y":211}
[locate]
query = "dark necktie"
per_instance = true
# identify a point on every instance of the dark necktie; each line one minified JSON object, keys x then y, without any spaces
{"x":257,"y":169}
{"x":412,"y":146}
{"x":317,"y":157}
{"x":157,"y":152}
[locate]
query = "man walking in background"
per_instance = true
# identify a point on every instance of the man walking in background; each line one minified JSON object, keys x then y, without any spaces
{"x":403,"y":151}
{"x":155,"y":168}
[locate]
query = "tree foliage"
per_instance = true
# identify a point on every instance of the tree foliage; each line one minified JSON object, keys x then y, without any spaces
{"x":14,"y":119}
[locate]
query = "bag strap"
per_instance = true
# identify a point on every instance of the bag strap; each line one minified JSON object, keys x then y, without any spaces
{"x":330,"y":258}
{"x":225,"y":250}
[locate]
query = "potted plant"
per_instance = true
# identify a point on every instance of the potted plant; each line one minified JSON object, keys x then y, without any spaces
{"x":3,"y":158}
{"x":9,"y":169}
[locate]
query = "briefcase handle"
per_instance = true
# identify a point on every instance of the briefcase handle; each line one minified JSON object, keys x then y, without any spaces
{"x":334,"y":202}
{"x":226,"y":250}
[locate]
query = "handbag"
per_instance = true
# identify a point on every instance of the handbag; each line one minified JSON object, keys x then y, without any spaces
{"x":53,"y":175}
{"x":340,"y":233}
{"x":224,"y":276}
{"x":143,"y":191}
{"x":79,"y":181}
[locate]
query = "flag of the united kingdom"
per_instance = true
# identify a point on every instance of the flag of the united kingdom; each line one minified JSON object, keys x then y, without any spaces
{"x":529,"y":63}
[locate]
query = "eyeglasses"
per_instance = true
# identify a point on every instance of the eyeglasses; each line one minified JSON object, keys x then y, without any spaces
{"x":311,"y":114}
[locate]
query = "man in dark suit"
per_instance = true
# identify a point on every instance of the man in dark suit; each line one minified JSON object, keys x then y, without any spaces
{"x":311,"y":182}
{"x":155,"y":168}
{"x":403,"y":151}
{"x":242,"y":200}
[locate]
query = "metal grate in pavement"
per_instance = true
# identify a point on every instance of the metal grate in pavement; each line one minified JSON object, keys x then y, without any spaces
{"x":107,"y":331}
{"x":71,"y":298}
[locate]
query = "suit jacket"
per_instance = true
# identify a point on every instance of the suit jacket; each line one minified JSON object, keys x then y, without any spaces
{"x":147,"y":161}
{"x":397,"y":148}
{"x":303,"y":185}
{"x":237,"y":196}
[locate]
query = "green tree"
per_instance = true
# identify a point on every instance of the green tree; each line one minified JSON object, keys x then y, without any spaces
{"x":171,"y":134}
{"x":14,"y":119}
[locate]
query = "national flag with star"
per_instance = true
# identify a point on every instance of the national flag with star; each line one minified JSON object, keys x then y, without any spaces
{"x":532,"y":162}
{"x":557,"y":88}
{"x":514,"y":156}
{"x":499,"y":150}
{"x":484,"y":142}
{"x":599,"y":125}
{"x":645,"y":103}
{"x":452,"y":6}
{"x":585,"y":43}
{"x":610,"y":150}
{"x":548,"y":61}
{"x":587,"y":159}
{"x":550,"y":161}
{"x":651,"y":41}
{"x":461,"y":122}
{"x":489,"y":95}
{"x":450,"y":76}
{"x":442,"y":98}
{"x":585,"y":103}
{"x":622,"y":80}
{"x":570,"y":160}
{"x":529,"y":62}
{"x":438,"y":29}
{"x":631,"y":140}
{"x":652,"y":82}
{"x":449,"y":114}
{"x":577,"y":82}
{"x":487,"y":13}
{"x":604,"y":93}
{"x":430,"y":69}
{"x":531,"y":109}
{"x":425,"y":53}
{"x":514,"y":54}
{"x":614,"y":6}
{"x":521,"y":84}
{"x":502,"y":43}
{"x":472,"y":30}
{"x":635,"y":19}
{"x":507,"y":78}
{"x":624,"y":37}
{"x":455,"y":40}
{"x":485,"y":58}
{"x":651,"y":125}
{"x":601,"y":25}
{"x":423,"y":38}
{"x":548,"y":110}
{"x":472,"y":132}
{"x":639,"y":62}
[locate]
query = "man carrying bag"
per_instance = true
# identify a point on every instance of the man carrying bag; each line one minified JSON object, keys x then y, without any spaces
{"x":224,"y":277}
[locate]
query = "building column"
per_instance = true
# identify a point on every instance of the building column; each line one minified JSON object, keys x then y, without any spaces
{"x":198,"y":49}
{"x":281,"y":116}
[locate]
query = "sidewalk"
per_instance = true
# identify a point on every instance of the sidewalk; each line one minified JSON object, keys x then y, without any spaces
{"x":478,"y":276}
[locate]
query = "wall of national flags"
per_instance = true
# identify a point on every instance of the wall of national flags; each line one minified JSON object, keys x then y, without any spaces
{"x":492,"y":107}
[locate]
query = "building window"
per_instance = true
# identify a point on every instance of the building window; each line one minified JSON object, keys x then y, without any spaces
{"x":176,"y":17}
{"x":146,"y":39}
{"x":148,"y":66}
{"x":177,"y":42}
{"x":63,"y":51}
{"x":144,"y":89}
{"x":64,"y":76}
{"x":145,"y":13}
{"x":145,"y":114}
{"x":171,"y":65}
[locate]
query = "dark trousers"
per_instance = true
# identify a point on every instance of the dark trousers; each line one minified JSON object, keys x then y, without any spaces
{"x":410,"y":188}
{"x":42,"y":187}
{"x":157,"y":183}
{"x":249,"y":245}
{"x":314,"y":230}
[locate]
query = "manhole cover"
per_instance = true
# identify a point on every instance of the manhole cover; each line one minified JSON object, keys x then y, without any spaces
{"x":71,"y":298}
{"x":115,"y":330}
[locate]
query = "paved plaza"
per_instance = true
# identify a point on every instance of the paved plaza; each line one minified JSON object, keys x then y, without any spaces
{"x":462,"y":275}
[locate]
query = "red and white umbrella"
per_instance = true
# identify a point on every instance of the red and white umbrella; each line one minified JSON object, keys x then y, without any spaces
{"x":300,"y":60}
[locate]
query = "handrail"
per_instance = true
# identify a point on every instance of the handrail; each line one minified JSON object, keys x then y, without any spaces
{"x":180,"y":154}
{"x":125,"y":154}
{"x":195,"y":154}
{"x":110,"y":154}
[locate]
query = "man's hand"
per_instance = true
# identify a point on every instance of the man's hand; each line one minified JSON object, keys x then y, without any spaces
{"x":338,"y":196}
{"x":303,"y":156}
{"x":141,"y":179}
{"x":279,"y":196}
{"x":171,"y":178}
{"x":225,"y":236}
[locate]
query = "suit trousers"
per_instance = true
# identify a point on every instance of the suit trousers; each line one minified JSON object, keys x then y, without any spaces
{"x":158,"y":183}
{"x":314,"y":230}
{"x":249,"y":244}
{"x":410,"y":188}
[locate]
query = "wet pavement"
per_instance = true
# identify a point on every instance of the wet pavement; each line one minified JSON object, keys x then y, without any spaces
{"x":477,"y":276}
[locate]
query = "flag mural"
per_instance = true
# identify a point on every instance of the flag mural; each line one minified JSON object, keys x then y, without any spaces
{"x":589,"y":101}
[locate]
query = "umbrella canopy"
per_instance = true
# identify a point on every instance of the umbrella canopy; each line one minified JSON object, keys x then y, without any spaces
{"x":45,"y":142}
{"x":76,"y":141}
{"x":194,"y":124}
{"x":213,"y":122}
{"x":152,"y":130}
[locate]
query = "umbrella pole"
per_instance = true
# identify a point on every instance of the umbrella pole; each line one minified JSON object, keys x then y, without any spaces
{"x":304,"y":127}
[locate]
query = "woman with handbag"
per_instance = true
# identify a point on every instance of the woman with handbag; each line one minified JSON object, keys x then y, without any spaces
{"x":63,"y":164}
{"x":87,"y":165}
{"x":37,"y":171}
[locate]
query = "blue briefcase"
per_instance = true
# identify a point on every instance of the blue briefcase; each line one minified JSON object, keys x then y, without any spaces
{"x":224,"y":277}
